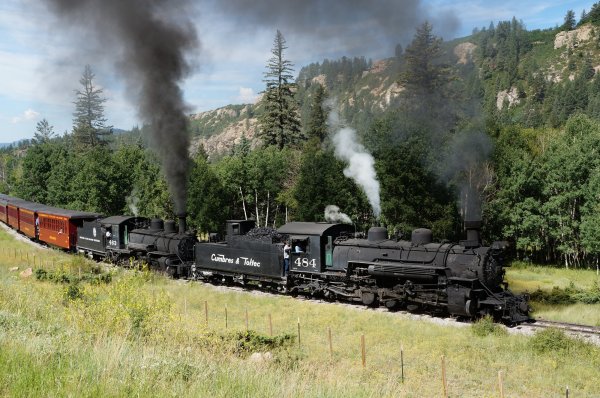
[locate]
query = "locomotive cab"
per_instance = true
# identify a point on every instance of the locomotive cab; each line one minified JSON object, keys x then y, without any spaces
{"x":107,"y":237}
{"x":315,"y":244}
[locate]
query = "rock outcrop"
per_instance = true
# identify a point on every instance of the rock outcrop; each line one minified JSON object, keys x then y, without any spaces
{"x":573,"y":38}
{"x":464,"y":52}
{"x":511,"y":96}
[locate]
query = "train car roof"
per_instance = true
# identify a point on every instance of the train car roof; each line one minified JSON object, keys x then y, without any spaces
{"x":311,"y":228}
{"x":32,"y":206}
{"x":72,"y":214}
{"x":40,"y":208}
{"x":118,"y":219}
{"x":25,"y":204}
{"x":10,"y":199}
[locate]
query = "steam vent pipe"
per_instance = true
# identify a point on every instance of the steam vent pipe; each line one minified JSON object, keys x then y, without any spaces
{"x":182,"y":224}
{"x":473,"y":228}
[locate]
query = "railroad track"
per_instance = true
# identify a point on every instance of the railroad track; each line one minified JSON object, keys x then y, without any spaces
{"x":567,"y":327}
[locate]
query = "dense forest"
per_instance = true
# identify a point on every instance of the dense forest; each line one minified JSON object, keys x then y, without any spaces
{"x":510,"y":136}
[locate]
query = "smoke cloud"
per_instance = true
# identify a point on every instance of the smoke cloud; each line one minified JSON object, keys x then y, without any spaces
{"x":333,"y":214}
{"x":361,"y":164}
{"x":467,"y":167}
{"x":353,"y":26}
{"x":149,"y":41}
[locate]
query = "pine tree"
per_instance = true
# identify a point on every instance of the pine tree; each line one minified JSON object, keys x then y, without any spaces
{"x":43,"y":132}
{"x":422,"y":73}
{"x":90,"y":127}
{"x":279,"y":124}
{"x":317,"y":124}
{"x":569,"y":21}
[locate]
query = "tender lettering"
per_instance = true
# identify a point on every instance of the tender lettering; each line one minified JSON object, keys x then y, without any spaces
{"x":246,"y":261}
{"x":250,"y":262}
{"x":89,"y":239}
{"x":220,"y":258}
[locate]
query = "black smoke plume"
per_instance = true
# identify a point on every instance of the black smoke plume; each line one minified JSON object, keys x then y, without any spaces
{"x":355,"y":27}
{"x":149,"y":41}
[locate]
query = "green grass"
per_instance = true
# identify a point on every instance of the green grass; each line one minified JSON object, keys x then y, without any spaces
{"x":529,"y":278}
{"x":144,"y":335}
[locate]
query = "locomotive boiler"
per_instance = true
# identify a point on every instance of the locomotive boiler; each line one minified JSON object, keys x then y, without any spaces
{"x":165,"y":246}
{"x":464,"y":279}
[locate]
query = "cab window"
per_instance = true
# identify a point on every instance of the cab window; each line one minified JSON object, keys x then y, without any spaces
{"x":301,"y":245}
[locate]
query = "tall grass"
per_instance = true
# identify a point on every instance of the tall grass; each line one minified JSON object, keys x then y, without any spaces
{"x":532,"y":277}
{"x":144,"y":335}
{"x":558,"y":294}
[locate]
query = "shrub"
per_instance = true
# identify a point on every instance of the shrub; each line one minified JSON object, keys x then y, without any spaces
{"x":486,"y":326}
{"x":41,"y":274}
{"x":550,"y":340}
{"x":591,"y":296}
{"x":249,"y":341}
{"x":568,"y":295}
{"x":555,"y":296}
{"x":73,"y":292}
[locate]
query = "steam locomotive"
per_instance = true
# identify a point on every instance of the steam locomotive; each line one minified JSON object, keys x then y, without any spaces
{"x":329,"y":260}
{"x":159,"y":243}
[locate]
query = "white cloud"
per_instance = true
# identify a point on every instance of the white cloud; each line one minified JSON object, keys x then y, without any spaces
{"x":246,"y":96}
{"x":29,"y":114}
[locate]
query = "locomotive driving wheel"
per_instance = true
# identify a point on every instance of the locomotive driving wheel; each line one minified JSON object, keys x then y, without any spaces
{"x":368,"y":298}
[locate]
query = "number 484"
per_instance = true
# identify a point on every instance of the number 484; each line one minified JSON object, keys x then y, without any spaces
{"x":305,"y":262}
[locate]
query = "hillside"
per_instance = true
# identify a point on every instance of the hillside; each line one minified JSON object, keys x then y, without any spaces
{"x":514,"y":70}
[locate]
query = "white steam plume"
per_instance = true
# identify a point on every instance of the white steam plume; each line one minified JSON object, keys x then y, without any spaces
{"x":132,"y":202}
{"x":361,"y":165}
{"x":333,"y":214}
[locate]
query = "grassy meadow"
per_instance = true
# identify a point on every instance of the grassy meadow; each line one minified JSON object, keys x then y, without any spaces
{"x":71,"y":330}
{"x":527,"y":278}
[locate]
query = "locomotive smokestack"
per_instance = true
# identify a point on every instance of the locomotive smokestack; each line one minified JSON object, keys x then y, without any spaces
{"x":182,"y":223}
{"x":473,"y":230}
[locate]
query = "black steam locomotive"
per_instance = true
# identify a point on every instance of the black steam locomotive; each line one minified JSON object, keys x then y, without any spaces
{"x":159,"y":243}
{"x":329,"y":261}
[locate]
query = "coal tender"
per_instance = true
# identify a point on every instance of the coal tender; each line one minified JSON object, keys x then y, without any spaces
{"x":248,"y":254}
{"x":164,"y":246}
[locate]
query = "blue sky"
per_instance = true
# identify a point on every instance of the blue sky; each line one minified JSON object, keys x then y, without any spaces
{"x":39,"y":73}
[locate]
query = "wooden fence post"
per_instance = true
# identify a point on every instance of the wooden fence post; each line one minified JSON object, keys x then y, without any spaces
{"x":206,"y":312}
{"x":298,"y":332}
{"x":402,"y":363}
{"x":500,"y":384}
{"x":330,"y":343}
{"x":246,"y":319}
{"x":363,"y":350}
{"x":270,"y":326}
{"x":225,"y":317}
{"x":444,"y":383}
